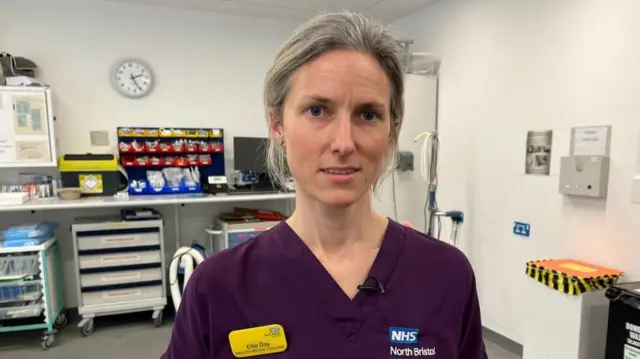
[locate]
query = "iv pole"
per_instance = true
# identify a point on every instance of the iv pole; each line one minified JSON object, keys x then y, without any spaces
{"x":430,"y":149}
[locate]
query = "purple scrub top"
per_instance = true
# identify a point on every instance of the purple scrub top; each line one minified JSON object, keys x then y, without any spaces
{"x":429,"y":308}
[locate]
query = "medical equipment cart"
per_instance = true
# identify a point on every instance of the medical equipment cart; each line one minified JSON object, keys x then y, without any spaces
{"x":119,"y":268}
{"x":31,"y":294}
{"x":226,"y":234}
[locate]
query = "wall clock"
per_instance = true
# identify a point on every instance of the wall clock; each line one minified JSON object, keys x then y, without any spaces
{"x":132,"y":78}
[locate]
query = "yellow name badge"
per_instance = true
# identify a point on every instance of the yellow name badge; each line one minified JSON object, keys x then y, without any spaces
{"x":258,"y":341}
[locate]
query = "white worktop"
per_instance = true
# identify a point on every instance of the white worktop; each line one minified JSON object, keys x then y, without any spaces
{"x":142,"y":200}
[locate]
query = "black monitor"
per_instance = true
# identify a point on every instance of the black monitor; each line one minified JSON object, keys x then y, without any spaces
{"x":250,"y":154}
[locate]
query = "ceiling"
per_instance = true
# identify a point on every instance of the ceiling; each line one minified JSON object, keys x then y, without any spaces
{"x":385,"y":10}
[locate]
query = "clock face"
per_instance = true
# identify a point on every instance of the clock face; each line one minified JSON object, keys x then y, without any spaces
{"x":132,"y":78}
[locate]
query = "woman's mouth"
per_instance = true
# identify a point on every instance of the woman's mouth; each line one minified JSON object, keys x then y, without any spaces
{"x":339,"y":171}
{"x":340,"y":175}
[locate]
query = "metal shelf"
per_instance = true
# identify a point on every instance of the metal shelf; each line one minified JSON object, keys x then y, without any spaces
{"x":143,"y":200}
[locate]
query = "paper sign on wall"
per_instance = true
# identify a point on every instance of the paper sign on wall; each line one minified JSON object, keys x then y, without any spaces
{"x":591,"y":141}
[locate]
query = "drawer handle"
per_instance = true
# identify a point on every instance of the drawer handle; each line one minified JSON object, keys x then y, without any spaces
{"x":128,"y":293}
{"x":118,"y":240}
{"x":122,"y":258}
{"x":121,"y":276}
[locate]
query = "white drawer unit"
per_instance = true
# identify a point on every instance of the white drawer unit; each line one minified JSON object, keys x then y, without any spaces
{"x":119,"y":267}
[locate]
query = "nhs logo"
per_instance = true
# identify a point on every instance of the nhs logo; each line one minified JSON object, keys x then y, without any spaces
{"x":403,"y":335}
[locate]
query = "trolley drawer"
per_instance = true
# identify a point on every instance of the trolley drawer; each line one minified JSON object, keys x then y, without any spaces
{"x":119,"y":259}
{"x":118,"y":239}
{"x":22,"y":310}
{"x":122,"y":295}
{"x":128,"y":276}
{"x":17,"y":267}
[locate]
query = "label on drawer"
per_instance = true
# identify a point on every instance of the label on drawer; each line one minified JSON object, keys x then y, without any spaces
{"x":114,"y":277}
{"x":120,"y":258}
{"x":118,"y":240}
{"x":18,"y":312}
{"x":121,"y":294}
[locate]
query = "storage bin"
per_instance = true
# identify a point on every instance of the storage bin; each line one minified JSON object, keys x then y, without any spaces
{"x":150,"y":238}
{"x":111,"y":278}
{"x":121,"y":295}
{"x":26,"y":310}
{"x":623,"y":329}
{"x":20,"y":291}
{"x":16,"y":267}
{"x":119,"y":259}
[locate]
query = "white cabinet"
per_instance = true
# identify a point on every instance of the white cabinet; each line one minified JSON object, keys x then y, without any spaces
{"x":27,"y":136}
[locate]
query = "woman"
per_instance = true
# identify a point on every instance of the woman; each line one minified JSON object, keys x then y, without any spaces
{"x":337,"y":280}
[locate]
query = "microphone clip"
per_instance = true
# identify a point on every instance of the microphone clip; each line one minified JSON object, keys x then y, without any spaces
{"x":377,"y":288}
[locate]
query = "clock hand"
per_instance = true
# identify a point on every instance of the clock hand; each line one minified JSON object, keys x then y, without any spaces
{"x":135,"y":82}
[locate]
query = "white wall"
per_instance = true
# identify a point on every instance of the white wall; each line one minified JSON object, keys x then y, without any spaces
{"x":513,"y":66}
{"x":209,"y":68}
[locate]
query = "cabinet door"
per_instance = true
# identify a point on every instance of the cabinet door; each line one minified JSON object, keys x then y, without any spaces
{"x":25,"y":135}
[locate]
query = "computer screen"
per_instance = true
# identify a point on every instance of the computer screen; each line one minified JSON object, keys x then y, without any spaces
{"x":250,"y":154}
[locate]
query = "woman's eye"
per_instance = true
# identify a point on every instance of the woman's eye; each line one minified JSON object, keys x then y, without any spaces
{"x":315,"y":110}
{"x":369,"y":115}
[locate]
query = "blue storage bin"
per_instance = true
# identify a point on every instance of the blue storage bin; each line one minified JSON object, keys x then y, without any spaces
{"x":165,"y":190}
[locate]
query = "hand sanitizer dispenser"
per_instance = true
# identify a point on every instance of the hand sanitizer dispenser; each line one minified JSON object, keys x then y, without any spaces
{"x":586,"y":171}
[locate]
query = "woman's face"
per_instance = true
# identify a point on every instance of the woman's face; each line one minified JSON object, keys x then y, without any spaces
{"x":336,"y":126}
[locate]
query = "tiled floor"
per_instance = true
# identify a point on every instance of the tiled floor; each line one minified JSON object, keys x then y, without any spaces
{"x":114,"y":339}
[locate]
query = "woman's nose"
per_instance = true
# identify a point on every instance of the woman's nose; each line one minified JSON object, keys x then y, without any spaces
{"x":342,"y":142}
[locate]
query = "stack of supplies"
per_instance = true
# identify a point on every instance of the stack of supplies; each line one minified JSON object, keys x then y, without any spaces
{"x":28,"y":235}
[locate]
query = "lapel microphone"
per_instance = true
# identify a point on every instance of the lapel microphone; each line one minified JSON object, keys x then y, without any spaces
{"x":377,"y":288}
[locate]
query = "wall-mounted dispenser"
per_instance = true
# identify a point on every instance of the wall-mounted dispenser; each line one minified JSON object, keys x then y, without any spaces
{"x":586,"y":171}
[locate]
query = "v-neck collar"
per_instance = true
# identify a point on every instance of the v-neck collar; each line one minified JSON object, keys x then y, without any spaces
{"x":313,"y":280}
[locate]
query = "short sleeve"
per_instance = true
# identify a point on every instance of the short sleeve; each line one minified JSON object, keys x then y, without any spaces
{"x":190,"y":336}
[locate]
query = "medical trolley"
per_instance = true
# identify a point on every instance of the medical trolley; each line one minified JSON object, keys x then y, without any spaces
{"x":31,"y":293}
{"x":119,"y":268}
{"x":226,"y":234}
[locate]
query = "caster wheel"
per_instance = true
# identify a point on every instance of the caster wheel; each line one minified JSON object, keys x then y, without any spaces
{"x":87,"y":328}
{"x":48,"y":341}
{"x":61,"y":322}
{"x":157,"y":321}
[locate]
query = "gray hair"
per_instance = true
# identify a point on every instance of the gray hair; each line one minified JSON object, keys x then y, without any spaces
{"x":323,"y":33}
